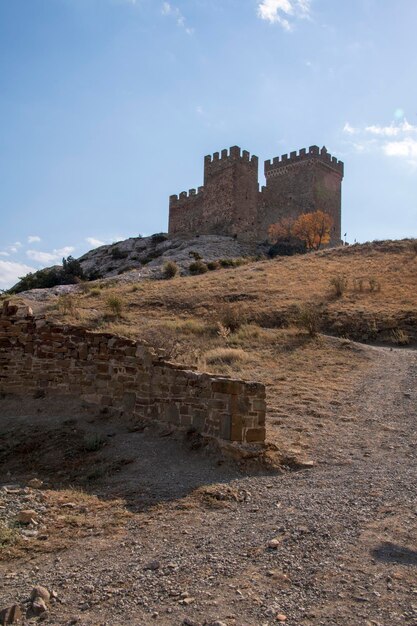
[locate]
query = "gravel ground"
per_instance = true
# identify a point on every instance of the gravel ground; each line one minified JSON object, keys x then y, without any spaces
{"x":334,"y":545}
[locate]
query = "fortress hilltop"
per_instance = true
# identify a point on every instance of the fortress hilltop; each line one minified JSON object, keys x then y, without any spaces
{"x":230,"y":202}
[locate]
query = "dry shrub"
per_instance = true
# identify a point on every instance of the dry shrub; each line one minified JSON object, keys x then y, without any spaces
{"x":94,"y":292}
{"x":223,"y":331}
{"x":66,"y":305}
{"x":400,"y":337}
{"x":413,"y":247}
{"x":374,"y":284}
{"x":213,"y":265}
{"x":189,"y":327}
{"x":308,"y":317}
{"x":339,"y":285}
{"x":247,"y":333}
{"x":163,"y":341}
{"x":198,"y":267}
{"x":231,"y":318}
{"x":358,"y":285}
{"x":7,"y":535}
{"x":115,"y":304}
{"x":225,"y":356}
{"x":170,"y":270}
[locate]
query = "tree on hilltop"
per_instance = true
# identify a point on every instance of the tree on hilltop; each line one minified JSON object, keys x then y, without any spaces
{"x":312,"y":228}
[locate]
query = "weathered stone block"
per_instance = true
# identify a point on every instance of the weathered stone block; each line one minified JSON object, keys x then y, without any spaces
{"x":254,"y":435}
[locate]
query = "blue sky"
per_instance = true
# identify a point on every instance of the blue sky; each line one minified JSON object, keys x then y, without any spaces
{"x":108,"y":106}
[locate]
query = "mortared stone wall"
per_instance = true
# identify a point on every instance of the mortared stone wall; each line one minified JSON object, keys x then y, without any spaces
{"x":105,"y":370}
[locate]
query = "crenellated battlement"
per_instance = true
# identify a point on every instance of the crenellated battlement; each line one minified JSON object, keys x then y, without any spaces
{"x":225,"y":158}
{"x":313,"y":154}
{"x":191,"y":194}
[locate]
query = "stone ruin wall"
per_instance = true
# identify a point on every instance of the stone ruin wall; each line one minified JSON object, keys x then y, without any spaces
{"x":109,"y":371}
{"x":230,"y":203}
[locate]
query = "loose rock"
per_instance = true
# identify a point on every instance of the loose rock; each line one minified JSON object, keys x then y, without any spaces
{"x":11,"y":615}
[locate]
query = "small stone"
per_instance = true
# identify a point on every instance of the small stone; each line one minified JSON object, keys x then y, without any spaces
{"x":11,"y":615}
{"x":39,"y":607}
{"x":27,"y":516}
{"x":187,"y":601}
{"x":189,"y":622}
{"x":30,"y":533}
{"x":274,"y":544}
{"x":153,"y":566}
{"x":40,"y":592}
{"x":35,"y":483}
{"x":281,"y":617}
{"x":218,"y":623}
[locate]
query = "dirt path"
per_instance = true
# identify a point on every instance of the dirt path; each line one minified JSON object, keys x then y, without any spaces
{"x":346,"y":549}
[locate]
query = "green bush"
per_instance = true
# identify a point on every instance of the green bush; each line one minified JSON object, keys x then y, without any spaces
{"x":158,"y":238}
{"x":198,"y":267}
{"x":213,"y":265}
{"x":287,"y":247}
{"x":195,"y":255}
{"x":94,"y":442}
{"x":309,"y":318}
{"x":170,"y":269}
{"x":70,"y":273}
{"x":232,"y":262}
{"x":116,"y":253}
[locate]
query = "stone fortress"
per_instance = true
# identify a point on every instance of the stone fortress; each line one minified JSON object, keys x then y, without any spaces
{"x":231,"y":203}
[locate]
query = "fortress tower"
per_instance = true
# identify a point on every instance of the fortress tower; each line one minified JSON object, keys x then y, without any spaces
{"x":226,"y":204}
{"x":301,"y":183}
{"x":231,"y":204}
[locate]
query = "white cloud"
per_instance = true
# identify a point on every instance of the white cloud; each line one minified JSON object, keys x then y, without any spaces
{"x":95,"y":242}
{"x":282,"y":11}
{"x":350,"y":130}
{"x":393,"y":130}
{"x":11,"y":272}
{"x":49,"y":257}
{"x":405,"y":148}
{"x":170,"y":10}
{"x":376,"y":137}
{"x":14,"y":247}
{"x":166,"y":9}
{"x":4,"y":254}
{"x":33,"y":239}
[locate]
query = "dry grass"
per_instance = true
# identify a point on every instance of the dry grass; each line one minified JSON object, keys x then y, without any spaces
{"x":68,"y":516}
{"x":225,"y":356}
{"x":258,"y":303}
{"x":381,"y":281}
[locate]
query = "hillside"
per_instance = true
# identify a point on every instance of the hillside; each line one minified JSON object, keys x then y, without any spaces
{"x":146,"y":525}
{"x":246,"y":321}
{"x":379,"y":296}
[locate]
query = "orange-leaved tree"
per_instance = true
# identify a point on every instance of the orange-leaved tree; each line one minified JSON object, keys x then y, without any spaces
{"x":313,"y":228}
{"x":281,"y":230}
